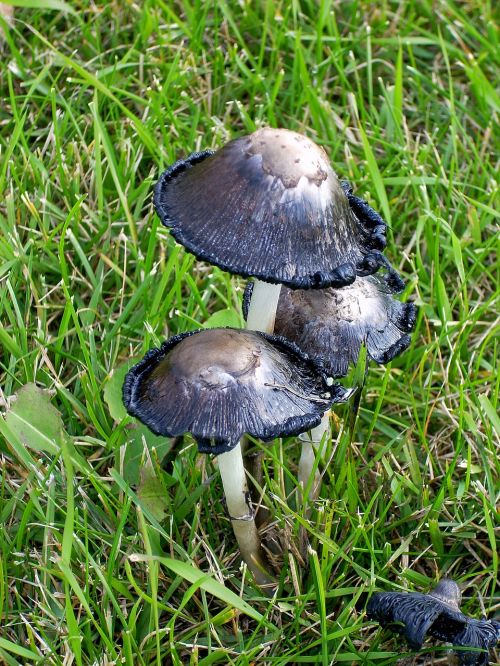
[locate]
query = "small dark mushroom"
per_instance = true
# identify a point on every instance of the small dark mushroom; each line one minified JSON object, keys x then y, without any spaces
{"x":219,"y":384}
{"x":436,"y":614}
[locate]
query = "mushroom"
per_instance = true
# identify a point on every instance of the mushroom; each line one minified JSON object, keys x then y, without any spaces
{"x":219,"y":384}
{"x":436,"y":614}
{"x":332,"y":324}
{"x":269,"y":205}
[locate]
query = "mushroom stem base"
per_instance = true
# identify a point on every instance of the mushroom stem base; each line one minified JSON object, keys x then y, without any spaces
{"x":245,"y":530}
{"x":252,"y":554}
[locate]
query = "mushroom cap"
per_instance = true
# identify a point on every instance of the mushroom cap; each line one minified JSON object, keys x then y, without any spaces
{"x":448,"y":592}
{"x":332,"y":324}
{"x":267,"y":205}
{"x":219,"y":384}
{"x":436,"y":614}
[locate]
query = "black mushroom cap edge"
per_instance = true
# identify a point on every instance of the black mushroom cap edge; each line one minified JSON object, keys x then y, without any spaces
{"x":343,"y":275}
{"x":392,"y":279}
{"x":333,"y":393}
{"x":370,"y":217}
{"x":436,"y":614}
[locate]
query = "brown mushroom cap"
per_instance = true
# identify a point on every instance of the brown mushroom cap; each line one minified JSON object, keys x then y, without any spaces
{"x":267,"y":205}
{"x":219,"y":384}
{"x":436,"y":614}
{"x":332,"y":324}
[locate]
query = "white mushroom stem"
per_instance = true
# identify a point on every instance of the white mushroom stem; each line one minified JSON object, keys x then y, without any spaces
{"x":263,"y":306}
{"x":313,"y":443}
{"x":235,"y":485}
{"x":261,"y":316}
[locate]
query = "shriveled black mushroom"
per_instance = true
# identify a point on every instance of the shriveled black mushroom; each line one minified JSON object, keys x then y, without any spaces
{"x":332,"y":324}
{"x":436,"y":614}
{"x":219,"y":384}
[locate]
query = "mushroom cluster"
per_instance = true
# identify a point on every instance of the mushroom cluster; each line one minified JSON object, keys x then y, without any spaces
{"x":269,"y":206}
{"x":436,"y":614}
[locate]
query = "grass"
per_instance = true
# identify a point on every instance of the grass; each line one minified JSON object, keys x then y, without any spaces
{"x":102,"y":563}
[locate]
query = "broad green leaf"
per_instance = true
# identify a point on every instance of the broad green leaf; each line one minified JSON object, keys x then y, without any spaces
{"x":33,"y":423}
{"x":223,"y":318}
{"x":113,"y":391}
{"x":138,"y":435}
{"x":35,"y":420}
